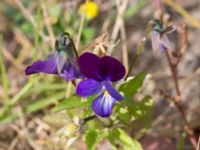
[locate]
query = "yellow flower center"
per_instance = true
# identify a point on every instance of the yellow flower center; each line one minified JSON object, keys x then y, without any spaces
{"x":90,"y":9}
{"x":106,"y":93}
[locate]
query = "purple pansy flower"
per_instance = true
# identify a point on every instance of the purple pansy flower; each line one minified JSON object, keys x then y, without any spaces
{"x":100,"y":72}
{"x":62,"y":62}
{"x":159,"y":36}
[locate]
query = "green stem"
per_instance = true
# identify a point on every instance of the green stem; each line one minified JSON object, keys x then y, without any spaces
{"x":140,"y":48}
{"x":4,"y":79}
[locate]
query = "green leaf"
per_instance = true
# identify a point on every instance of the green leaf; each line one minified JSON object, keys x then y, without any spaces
{"x":123,"y":115}
{"x":72,"y":102}
{"x":143,"y":113}
{"x":131,"y":86}
{"x":93,"y":137}
{"x":141,"y":110}
{"x":118,"y":136}
{"x":88,"y":113}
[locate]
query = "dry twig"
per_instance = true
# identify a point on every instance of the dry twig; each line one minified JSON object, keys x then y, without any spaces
{"x":178,"y":101}
{"x":119,"y":26}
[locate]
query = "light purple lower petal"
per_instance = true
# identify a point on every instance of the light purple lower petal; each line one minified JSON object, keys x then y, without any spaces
{"x":162,"y":48}
{"x":155,"y":40}
{"x":103,"y":104}
{"x":88,"y":87}
{"x":171,"y":28}
{"x":70,"y":73}
{"x":60,"y":61}
{"x":47,"y":66}
{"x":165,"y":42}
{"x":112,"y":91}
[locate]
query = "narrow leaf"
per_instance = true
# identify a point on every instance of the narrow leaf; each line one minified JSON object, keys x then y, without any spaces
{"x":71,"y":102}
{"x":119,"y":136}
{"x":131,"y":86}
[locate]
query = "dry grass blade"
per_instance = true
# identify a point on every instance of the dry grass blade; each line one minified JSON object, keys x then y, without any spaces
{"x":48,"y":24}
{"x":192,"y":20}
{"x":29,"y":17}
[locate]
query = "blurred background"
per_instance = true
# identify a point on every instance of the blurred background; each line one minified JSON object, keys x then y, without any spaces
{"x":28,"y":30}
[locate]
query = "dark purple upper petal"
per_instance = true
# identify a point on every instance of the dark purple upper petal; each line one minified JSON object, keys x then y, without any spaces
{"x":88,"y":63}
{"x":103,"y":104}
{"x":88,"y":87}
{"x":111,"y":90}
{"x":111,"y":69}
{"x":46,"y":66}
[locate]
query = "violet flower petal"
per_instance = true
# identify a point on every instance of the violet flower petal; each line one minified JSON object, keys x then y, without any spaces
{"x":47,"y":66}
{"x":60,"y":61}
{"x":111,"y":69}
{"x":171,"y":28}
{"x":162,"y":48}
{"x":165,"y":42}
{"x":112,"y":91}
{"x":70,"y":73}
{"x":88,"y":64}
{"x":52,"y":54}
{"x":155,"y":40}
{"x":88,"y":87}
{"x":103,"y":104}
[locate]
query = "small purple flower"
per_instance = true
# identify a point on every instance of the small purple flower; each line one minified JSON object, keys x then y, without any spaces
{"x":100,"y":71}
{"x":159,"y":36}
{"x":62,"y":62}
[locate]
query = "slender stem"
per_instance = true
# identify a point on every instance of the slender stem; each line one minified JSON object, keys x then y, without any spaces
{"x":124,"y":46}
{"x":89,"y":118}
{"x":178,"y":99}
{"x":3,"y":74}
{"x":159,"y":9}
{"x":81,"y":27}
{"x":158,"y":5}
{"x":135,"y":60}
{"x":76,"y":47}
{"x":198,"y":144}
{"x":191,"y":19}
{"x":173,"y":69}
{"x":140,"y":48}
{"x":178,"y":102}
{"x":85,"y":120}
